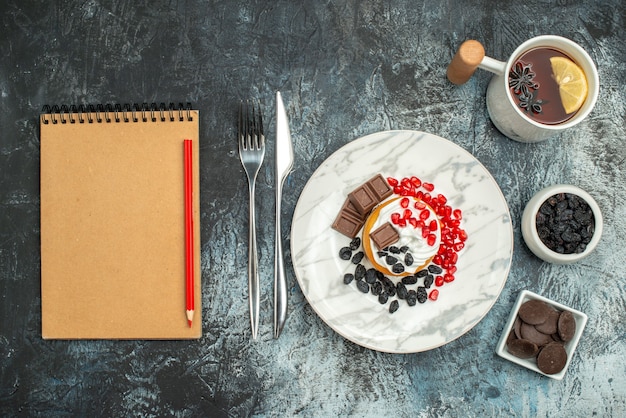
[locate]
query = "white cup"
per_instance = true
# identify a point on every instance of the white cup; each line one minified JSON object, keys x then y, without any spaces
{"x":503,"y":110}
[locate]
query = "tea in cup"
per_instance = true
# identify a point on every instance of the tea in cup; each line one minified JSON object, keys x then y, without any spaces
{"x":548,"y":84}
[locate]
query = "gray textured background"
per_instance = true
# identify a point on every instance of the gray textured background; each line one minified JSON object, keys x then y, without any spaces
{"x":346,"y":69}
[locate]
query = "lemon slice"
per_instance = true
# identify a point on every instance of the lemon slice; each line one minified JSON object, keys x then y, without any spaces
{"x":572,"y":83}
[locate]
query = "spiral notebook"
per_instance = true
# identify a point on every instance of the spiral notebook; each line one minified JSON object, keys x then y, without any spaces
{"x":113,"y":257}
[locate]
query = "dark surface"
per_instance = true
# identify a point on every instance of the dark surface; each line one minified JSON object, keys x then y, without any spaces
{"x":346,"y":69}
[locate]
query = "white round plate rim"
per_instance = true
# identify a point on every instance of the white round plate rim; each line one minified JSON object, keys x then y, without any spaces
{"x":356,"y":316}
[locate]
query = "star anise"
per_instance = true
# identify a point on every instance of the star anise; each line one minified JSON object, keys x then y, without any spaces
{"x":521,"y":78}
{"x":530,"y":103}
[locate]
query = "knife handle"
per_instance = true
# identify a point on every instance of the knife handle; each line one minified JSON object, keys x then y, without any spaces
{"x":280,"y":281}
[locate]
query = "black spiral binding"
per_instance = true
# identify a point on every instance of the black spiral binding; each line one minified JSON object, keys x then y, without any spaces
{"x":108,"y":113}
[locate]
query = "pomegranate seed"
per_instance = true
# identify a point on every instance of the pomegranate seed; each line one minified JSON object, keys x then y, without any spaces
{"x":406,"y":183}
{"x":405,"y":192}
{"x":452,"y":270}
{"x":402,"y":222}
{"x":404,"y":202}
{"x":433,"y":295}
{"x":419,"y":205}
{"x":392,"y":182}
{"x":442,"y":199}
{"x":459,"y":246}
{"x":457,"y":213}
{"x":445,"y":264}
{"x":425,"y":232}
{"x":454,"y":258}
{"x":427,"y":197}
{"x":462,"y":235}
{"x":395,"y":217}
{"x":397,"y":189}
{"x":442,"y":250}
{"x":419,"y":195}
{"x":454,"y":223}
{"x":424,"y":214}
{"x":448,"y":278}
{"x":428,"y":186}
{"x":408,"y":213}
{"x":432,"y":225}
{"x":431,"y":239}
{"x":416,"y":182}
{"x":437,"y":259}
{"x":413,"y":222}
{"x":420,"y":223}
{"x":439,"y":281}
{"x":448,"y":211}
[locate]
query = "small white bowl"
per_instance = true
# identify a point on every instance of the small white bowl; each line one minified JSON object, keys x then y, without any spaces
{"x":570,"y":346}
{"x":529,"y":226}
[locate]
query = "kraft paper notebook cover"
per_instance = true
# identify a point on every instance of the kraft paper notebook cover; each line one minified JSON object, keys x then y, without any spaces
{"x":113,"y":257}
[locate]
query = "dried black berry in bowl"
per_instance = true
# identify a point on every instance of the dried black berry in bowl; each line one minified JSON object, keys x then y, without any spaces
{"x":562,"y":224}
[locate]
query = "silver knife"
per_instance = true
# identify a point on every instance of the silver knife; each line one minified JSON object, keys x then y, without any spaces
{"x":284,"y":162}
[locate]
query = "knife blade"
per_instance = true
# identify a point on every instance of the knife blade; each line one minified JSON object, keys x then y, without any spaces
{"x":284,"y":162}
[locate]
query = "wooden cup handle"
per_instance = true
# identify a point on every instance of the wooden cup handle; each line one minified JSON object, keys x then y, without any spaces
{"x":465,"y":61}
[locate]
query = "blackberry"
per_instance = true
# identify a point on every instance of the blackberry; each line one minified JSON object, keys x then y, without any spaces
{"x":408,"y":259}
{"x":411,"y":298}
{"x":362,"y":286}
{"x":397,"y":268}
{"x":401,"y":290}
{"x":421,"y":273}
{"x":393,"y":306}
{"x":347,"y":278}
{"x":391,"y":260}
{"x":434,"y":269}
{"x":356,"y":258}
{"x":428,"y":281}
{"x":355,"y":243}
{"x":376,"y":288}
{"x":422,"y":295}
{"x":383,"y":298}
{"x":359,"y":272}
{"x":409,"y":280}
{"x":345,"y":253}
{"x":404,"y":249}
{"x":394,"y":250}
{"x":370,"y":276}
{"x":386,"y":281}
{"x":565,"y":223}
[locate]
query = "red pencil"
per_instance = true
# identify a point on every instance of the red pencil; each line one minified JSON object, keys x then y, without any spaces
{"x":189,"y":241}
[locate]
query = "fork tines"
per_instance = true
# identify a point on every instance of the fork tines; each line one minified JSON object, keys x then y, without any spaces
{"x":250,"y":126}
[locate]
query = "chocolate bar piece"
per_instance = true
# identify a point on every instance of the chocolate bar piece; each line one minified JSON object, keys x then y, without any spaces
{"x":363,"y":199}
{"x":349,"y":208}
{"x":379,"y":186}
{"x":384,"y":236}
{"x":347,"y":224}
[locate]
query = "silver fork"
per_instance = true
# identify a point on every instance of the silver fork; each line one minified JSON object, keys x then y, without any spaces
{"x":251,"y":153}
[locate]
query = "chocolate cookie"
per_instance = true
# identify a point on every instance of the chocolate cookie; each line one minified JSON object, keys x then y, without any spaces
{"x":550,"y":326}
{"x":566,"y":326}
{"x":517,"y":325}
{"x":534,"y":312}
{"x":522,"y":348}
{"x":530,"y":333}
{"x":552,"y":358}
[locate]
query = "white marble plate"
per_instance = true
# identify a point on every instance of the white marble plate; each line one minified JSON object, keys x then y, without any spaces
{"x":483,"y":264}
